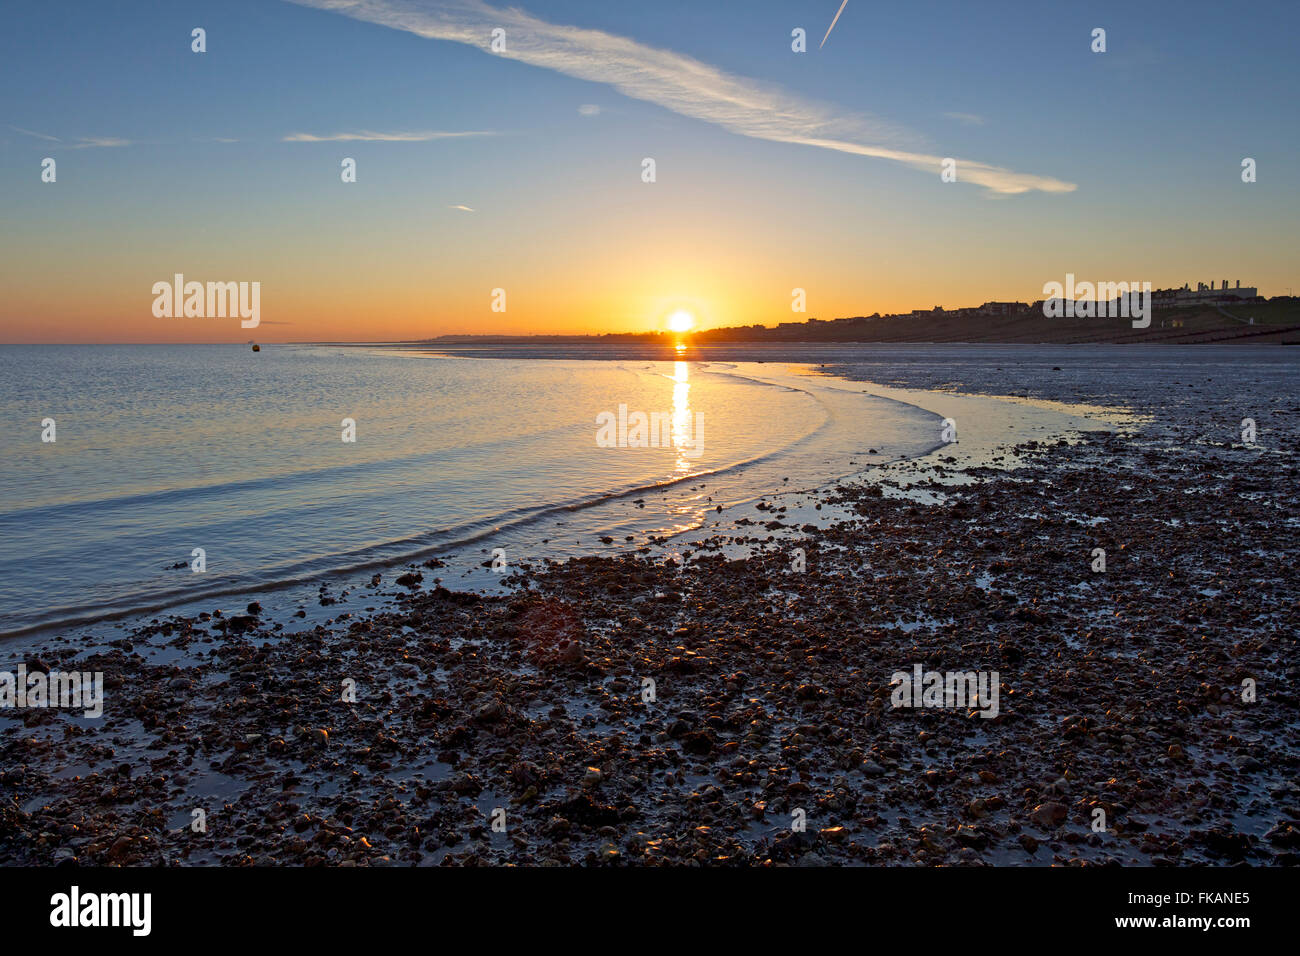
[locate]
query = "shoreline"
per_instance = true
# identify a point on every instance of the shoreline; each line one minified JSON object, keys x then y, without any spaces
{"x":297,"y":590}
{"x":611,"y":511}
{"x":771,"y":687}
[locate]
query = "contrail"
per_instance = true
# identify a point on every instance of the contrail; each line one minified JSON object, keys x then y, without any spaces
{"x":833,"y":22}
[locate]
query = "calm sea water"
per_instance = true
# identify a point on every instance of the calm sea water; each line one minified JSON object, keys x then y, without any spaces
{"x":163,"y":449}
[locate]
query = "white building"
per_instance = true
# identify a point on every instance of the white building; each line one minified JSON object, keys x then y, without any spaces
{"x":1204,"y":294}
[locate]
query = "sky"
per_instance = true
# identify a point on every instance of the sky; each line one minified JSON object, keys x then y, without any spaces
{"x":521,"y":169}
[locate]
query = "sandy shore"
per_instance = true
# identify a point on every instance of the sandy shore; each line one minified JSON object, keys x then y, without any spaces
{"x":770,"y":638}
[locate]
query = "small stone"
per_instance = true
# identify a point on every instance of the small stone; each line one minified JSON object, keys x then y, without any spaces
{"x":491,"y":712}
{"x":1049,"y":815}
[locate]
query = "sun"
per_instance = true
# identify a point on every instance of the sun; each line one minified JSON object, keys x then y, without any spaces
{"x":681,"y":321}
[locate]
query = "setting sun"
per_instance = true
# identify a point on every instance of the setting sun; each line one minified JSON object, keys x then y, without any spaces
{"x":681,"y":321}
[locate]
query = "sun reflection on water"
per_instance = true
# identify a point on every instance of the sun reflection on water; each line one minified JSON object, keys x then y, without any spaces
{"x":682,"y":415}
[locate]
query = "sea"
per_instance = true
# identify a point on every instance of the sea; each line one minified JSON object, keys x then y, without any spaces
{"x":134,"y":478}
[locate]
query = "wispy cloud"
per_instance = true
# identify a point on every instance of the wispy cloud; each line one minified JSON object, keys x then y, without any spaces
{"x":28,"y":132}
{"x":84,"y":142}
{"x":370,"y":136}
{"x":589,"y":109}
{"x":966,"y":119}
{"x":683,"y":84}
{"x":94,"y":142}
{"x":461,"y":208}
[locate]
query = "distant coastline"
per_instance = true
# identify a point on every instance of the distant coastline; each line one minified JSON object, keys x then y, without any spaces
{"x":1273,"y":321}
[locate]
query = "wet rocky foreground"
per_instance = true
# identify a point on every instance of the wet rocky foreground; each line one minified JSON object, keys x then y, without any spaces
{"x":735,"y":707}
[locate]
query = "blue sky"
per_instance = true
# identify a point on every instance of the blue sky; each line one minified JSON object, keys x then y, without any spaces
{"x":1150,"y":135}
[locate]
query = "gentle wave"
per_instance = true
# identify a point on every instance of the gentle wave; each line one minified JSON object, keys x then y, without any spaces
{"x":292,"y":525}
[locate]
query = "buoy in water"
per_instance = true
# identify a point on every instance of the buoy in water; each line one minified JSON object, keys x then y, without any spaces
{"x":256,"y":347}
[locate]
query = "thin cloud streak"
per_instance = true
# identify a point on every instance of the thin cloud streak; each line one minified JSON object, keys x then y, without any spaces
{"x":28,"y":132}
{"x":679,"y":83}
{"x":94,"y":142}
{"x":84,"y":142}
{"x":369,"y":136}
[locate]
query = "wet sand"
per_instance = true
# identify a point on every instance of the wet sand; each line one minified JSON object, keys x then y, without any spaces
{"x":770,"y":636}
